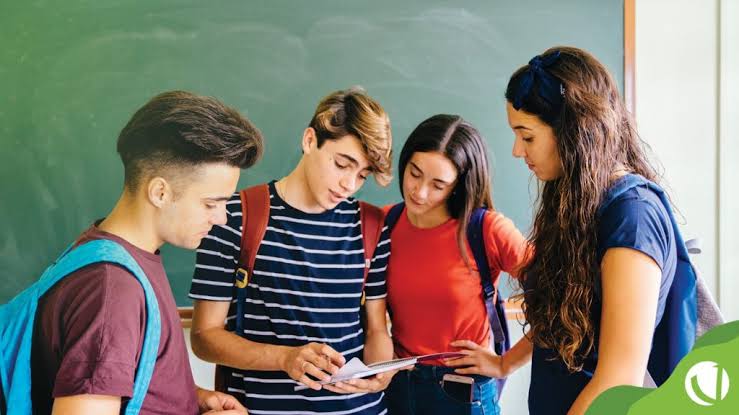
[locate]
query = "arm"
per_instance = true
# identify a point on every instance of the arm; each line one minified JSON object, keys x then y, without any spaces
{"x":483,"y":361}
{"x":505,"y":247}
{"x":631,"y":282}
{"x":87,"y":405}
{"x":378,"y":346}
{"x":213,"y":343}
{"x":506,"y":250}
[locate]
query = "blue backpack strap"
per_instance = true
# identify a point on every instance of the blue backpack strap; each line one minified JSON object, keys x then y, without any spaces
{"x":675,"y":333}
{"x":493,"y":303}
{"x":103,"y":250}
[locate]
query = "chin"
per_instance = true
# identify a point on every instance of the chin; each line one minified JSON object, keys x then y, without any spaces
{"x":329,"y":205}
{"x":191,"y":244}
{"x":415,"y":210}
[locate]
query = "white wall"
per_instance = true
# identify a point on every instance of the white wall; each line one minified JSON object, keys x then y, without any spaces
{"x":203,"y":372}
{"x":683,"y":60}
{"x":729,"y":157}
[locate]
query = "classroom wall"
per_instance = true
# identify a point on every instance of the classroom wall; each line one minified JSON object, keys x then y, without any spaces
{"x":728,"y":156}
{"x":685,"y":87}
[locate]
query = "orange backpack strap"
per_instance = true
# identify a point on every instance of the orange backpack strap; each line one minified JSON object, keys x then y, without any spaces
{"x":255,"y":216}
{"x":372,"y":219}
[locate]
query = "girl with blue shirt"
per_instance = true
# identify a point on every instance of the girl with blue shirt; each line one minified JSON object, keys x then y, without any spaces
{"x":596,"y":285}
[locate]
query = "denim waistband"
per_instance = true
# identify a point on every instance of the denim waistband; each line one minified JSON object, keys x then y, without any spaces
{"x":436,"y":373}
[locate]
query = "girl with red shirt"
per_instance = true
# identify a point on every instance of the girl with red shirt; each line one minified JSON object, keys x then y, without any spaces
{"x":433,"y":285}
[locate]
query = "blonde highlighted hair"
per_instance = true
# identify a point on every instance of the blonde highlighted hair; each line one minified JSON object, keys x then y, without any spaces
{"x":353,"y":112}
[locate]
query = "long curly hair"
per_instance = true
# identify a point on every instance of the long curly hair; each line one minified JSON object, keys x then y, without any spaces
{"x":595,"y":135}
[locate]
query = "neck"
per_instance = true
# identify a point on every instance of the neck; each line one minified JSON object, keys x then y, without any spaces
{"x":133,"y":222}
{"x":294,"y":190}
{"x":429,"y":219}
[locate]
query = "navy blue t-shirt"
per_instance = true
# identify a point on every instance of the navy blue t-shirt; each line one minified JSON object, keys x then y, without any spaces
{"x":636,"y":219}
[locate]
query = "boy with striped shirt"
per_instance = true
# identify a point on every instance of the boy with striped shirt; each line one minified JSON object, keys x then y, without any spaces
{"x":302,"y":305}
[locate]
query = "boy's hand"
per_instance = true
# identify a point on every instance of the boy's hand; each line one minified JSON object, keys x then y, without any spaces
{"x":318,"y":360}
{"x":212,"y":402}
{"x":376,"y":383}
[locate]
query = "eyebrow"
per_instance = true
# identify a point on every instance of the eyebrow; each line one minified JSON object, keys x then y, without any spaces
{"x":435,"y":179}
{"x":521,"y":127}
{"x":217,"y":198}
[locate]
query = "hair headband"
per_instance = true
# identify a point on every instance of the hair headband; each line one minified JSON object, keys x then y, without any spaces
{"x":551,"y":88}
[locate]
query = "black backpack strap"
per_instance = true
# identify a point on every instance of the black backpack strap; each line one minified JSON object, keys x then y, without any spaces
{"x":493,"y":302}
{"x":391,"y":219}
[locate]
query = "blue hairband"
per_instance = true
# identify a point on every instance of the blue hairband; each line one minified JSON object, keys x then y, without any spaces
{"x":550,"y":87}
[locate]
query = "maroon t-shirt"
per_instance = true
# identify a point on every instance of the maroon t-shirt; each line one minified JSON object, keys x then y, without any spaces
{"x":88,"y":335}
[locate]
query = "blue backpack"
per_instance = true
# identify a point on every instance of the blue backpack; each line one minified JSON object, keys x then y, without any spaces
{"x":493,"y":304}
{"x":17,"y":323}
{"x":689,"y":308}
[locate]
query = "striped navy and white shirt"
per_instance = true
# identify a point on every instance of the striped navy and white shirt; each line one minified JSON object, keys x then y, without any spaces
{"x":306,"y":286}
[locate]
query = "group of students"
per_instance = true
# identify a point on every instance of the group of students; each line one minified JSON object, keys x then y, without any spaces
{"x":592,"y":280}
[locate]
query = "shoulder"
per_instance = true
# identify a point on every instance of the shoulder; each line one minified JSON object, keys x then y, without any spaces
{"x":634,"y":206}
{"x":637,"y":219}
{"x":97,"y":293}
{"x":495,"y":223}
{"x":101,"y":278}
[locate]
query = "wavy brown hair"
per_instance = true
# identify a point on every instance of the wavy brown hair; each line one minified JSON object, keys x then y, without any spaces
{"x":595,"y":135}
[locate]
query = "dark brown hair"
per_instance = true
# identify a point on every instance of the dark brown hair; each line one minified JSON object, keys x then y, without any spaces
{"x":594,"y":135}
{"x":464,"y":146}
{"x":179,"y":130}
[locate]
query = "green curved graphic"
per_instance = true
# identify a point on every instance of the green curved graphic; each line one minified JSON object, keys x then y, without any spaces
{"x":720,"y":345}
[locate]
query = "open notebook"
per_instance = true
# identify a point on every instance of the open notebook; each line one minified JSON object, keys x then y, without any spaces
{"x":355,"y":369}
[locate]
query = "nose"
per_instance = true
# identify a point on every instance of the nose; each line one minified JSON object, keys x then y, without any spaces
{"x":518,"y":148}
{"x":348,"y":182}
{"x":420,"y":192}
{"x":219,"y":217}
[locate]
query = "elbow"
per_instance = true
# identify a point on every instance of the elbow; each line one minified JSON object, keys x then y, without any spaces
{"x":198,"y":344}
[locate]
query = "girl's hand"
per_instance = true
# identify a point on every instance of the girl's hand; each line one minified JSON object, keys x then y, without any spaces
{"x":478,"y":360}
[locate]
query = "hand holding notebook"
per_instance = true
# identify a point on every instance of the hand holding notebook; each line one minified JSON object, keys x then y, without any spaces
{"x":356,"y":369}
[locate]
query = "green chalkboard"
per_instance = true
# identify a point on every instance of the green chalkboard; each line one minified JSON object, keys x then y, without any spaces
{"x":72,"y":73}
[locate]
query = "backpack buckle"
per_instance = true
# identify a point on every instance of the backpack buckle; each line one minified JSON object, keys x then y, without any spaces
{"x":242,"y":278}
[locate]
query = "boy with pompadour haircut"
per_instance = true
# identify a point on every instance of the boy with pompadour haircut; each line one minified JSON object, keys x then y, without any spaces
{"x":301,"y":311}
{"x":182,"y":156}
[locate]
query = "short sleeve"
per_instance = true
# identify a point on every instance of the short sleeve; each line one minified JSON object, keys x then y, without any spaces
{"x":101,"y":333}
{"x":637,"y":221}
{"x":375,"y":287}
{"x":506,"y":248}
{"x":217,"y":257}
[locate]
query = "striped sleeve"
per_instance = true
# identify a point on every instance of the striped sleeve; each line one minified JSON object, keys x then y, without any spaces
{"x":375,"y":287}
{"x":217,"y":256}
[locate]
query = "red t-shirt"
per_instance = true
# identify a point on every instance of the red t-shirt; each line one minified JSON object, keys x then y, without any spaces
{"x":434,"y":297}
{"x":89,"y":331}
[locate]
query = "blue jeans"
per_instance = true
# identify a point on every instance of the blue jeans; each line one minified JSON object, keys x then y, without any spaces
{"x":419,"y":392}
